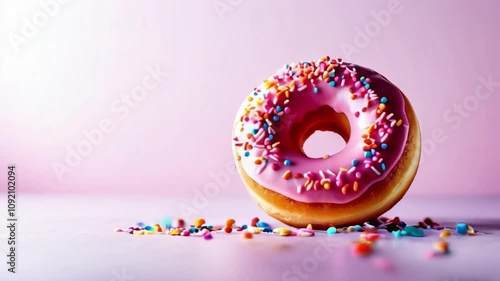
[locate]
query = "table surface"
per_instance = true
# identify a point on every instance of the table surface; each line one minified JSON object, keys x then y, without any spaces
{"x":71,"y":237}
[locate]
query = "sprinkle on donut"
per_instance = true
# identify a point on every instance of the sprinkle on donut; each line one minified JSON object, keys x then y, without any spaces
{"x":266,"y":107}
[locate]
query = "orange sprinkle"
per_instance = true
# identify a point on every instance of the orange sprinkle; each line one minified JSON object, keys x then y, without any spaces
{"x":307,"y":70}
{"x":287,"y":94}
{"x":367,"y":147}
{"x":270,"y":84}
{"x":316,"y":72}
{"x":374,"y":146}
{"x":230,"y":222}
{"x":364,"y":136}
{"x":228,"y":229}
{"x":344,"y":189}
{"x":310,"y":75}
{"x":247,"y":234}
{"x":381,"y":106}
{"x":258,"y":161}
{"x":238,"y":158}
{"x":325,"y":75}
{"x":266,"y":116}
{"x":368,"y":141}
{"x":249,"y":99}
{"x":287,"y":175}
{"x":343,"y":170}
{"x":355,"y":186}
{"x":249,"y":135}
{"x":399,"y":122}
{"x":292,"y":85}
{"x":330,"y":68}
{"x":282,"y":88}
{"x":241,"y":129}
{"x":297,"y":176}
{"x":326,"y":156}
{"x":327,"y":186}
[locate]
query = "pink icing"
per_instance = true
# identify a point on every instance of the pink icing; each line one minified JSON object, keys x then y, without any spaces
{"x":267,"y":153}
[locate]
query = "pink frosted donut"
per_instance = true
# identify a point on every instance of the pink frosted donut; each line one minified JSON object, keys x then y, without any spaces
{"x":356,"y":184}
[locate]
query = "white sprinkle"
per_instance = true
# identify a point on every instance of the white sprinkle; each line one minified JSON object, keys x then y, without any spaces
{"x":301,"y":88}
{"x":270,"y":110}
{"x":281,"y":113}
{"x":351,"y":170}
{"x":375,"y":170}
{"x":322,"y":174}
{"x":286,"y":101}
{"x":331,"y":173}
{"x":272,"y":131}
{"x":339,"y":175}
{"x":299,"y":189}
{"x":393,"y":122}
{"x":367,"y":165}
{"x":367,"y":161}
{"x":384,"y":138}
{"x":342,"y":83}
{"x":380,"y":160}
{"x":380,"y":117}
{"x":389,"y":116}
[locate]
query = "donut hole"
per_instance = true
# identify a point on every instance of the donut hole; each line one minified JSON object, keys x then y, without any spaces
{"x":325,"y":131}
{"x":322,"y":143}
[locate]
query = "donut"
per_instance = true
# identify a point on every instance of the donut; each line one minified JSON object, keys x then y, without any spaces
{"x":355,"y":185}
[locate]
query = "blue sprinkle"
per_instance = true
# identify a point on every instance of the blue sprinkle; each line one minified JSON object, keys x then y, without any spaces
{"x":265,"y":126}
{"x":149,"y":228}
{"x":397,"y":233}
{"x":332,"y":83}
{"x":305,"y":63}
{"x":354,"y":162}
{"x":368,"y":154}
{"x":315,"y":90}
{"x":270,"y":137}
{"x":343,"y":77}
{"x":383,"y":166}
{"x":461,"y":228}
{"x":367,"y":86}
{"x":276,"y":118}
{"x":383,"y":146}
{"x":140,"y":224}
{"x":358,"y":228}
{"x":362,"y":78}
{"x":331,"y":230}
{"x":265,"y":95}
{"x":255,"y":131}
{"x":383,"y":100}
{"x":278,"y":108}
{"x":247,"y":153}
{"x":364,"y":82}
{"x":166,"y":222}
{"x":267,"y":230}
{"x":287,"y":162}
{"x":291,"y":72}
{"x":332,"y":74}
{"x":373,"y":151}
{"x":244,"y":226}
{"x":255,"y":93}
{"x":262,"y":224}
{"x":285,"y":66}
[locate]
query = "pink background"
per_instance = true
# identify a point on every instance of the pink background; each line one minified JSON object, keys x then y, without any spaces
{"x":66,"y":77}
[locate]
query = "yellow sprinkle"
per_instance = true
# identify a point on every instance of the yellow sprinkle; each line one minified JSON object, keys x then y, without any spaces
{"x":309,"y":184}
{"x":343,"y":170}
{"x":149,"y":232}
{"x":399,"y":122}
{"x":309,"y":226}
{"x":445,"y":233}
{"x":282,"y":88}
{"x":249,"y":99}
{"x":327,"y":186}
{"x":138,"y":232}
{"x":238,"y":158}
{"x":276,"y":144}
